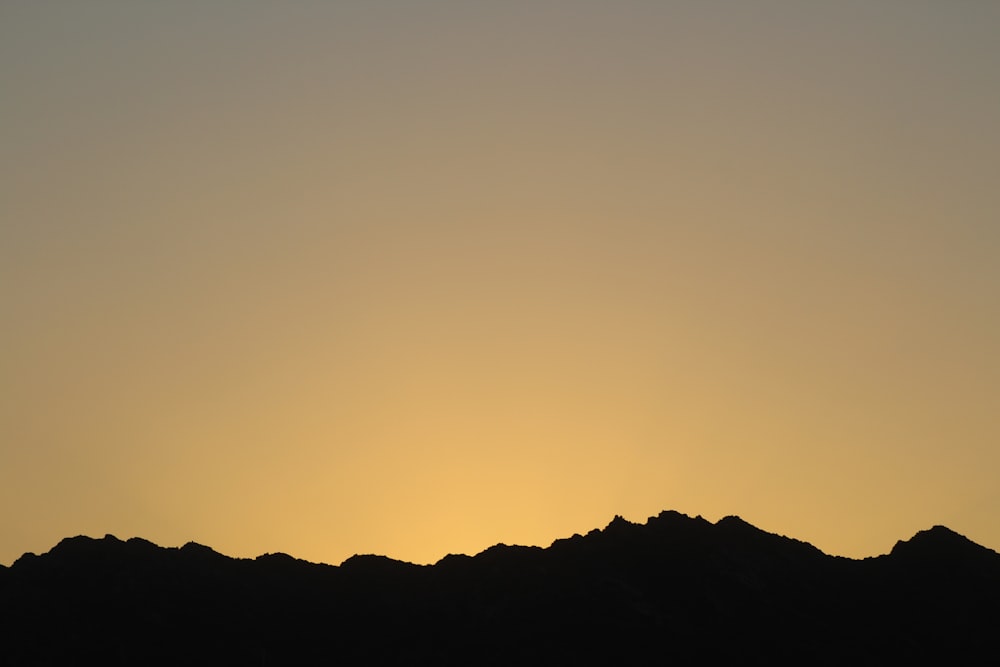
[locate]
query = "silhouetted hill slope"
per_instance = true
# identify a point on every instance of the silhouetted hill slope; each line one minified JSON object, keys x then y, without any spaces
{"x":675,"y":590}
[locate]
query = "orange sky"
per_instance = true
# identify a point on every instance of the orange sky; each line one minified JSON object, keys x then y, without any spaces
{"x":414,"y":278}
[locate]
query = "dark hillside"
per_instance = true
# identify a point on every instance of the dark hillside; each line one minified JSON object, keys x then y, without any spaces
{"x":675,"y":590}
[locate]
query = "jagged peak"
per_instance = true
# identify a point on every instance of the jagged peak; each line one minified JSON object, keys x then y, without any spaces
{"x":138,"y":541}
{"x":736,"y":524}
{"x":668,"y":519}
{"x":670,"y":515}
{"x":86,"y":539}
{"x":940,"y":542}
{"x":84,"y":543}
{"x":943,"y":532}
{"x":619,"y":523}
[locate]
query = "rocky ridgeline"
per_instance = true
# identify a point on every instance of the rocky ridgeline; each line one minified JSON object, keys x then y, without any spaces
{"x":675,"y":590}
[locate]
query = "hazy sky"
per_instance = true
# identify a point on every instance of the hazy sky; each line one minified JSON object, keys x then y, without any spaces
{"x":414,"y":278}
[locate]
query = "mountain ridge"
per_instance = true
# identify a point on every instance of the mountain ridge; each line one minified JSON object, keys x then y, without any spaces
{"x":937,"y":533}
{"x":702,"y":591}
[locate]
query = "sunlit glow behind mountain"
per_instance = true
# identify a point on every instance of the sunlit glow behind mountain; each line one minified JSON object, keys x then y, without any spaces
{"x":411,"y":278}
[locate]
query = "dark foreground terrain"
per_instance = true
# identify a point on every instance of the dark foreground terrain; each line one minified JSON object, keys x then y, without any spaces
{"x":674,"y":590}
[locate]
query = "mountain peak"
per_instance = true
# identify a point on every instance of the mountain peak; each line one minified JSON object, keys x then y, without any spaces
{"x":82,"y":546}
{"x":736,"y":525}
{"x":941,"y":545}
{"x":85,"y":540}
{"x":619,"y":523}
{"x":733,"y":520}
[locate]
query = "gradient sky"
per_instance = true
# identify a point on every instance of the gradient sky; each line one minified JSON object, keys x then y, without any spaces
{"x":414,"y":278}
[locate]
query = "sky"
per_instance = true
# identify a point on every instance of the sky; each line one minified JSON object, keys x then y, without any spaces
{"x":415,"y":278}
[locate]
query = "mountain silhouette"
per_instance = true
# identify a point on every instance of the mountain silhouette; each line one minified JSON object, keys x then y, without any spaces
{"x":674,"y":590}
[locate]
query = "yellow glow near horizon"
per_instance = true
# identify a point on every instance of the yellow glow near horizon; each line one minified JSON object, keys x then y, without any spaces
{"x":414,"y":280}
